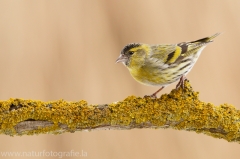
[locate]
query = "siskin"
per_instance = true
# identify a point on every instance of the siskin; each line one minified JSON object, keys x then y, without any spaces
{"x":161,"y":65}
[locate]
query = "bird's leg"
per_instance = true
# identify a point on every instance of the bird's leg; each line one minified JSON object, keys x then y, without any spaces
{"x":181,"y":82}
{"x":154,"y":95}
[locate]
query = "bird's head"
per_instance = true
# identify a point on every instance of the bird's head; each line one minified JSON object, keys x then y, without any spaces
{"x":133,"y":55}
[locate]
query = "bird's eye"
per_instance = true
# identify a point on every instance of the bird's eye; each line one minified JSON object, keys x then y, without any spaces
{"x":131,"y":52}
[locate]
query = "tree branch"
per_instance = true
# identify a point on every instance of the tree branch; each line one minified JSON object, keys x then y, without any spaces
{"x":181,"y":110}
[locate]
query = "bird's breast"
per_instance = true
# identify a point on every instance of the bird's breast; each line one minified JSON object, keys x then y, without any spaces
{"x":148,"y":75}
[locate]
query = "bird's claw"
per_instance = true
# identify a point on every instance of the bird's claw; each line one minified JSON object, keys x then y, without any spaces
{"x":154,"y":96}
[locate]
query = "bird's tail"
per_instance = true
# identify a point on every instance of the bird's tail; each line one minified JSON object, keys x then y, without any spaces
{"x":213,"y":36}
{"x":194,"y":46}
{"x":207,"y":39}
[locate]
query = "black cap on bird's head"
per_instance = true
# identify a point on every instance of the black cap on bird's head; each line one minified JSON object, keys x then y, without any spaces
{"x":126,"y":53}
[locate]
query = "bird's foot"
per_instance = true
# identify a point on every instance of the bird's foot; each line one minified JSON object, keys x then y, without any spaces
{"x":154,"y":95}
{"x":181,"y":82}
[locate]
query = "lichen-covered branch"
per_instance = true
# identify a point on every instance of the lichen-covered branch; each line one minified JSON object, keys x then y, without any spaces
{"x":180,"y":110}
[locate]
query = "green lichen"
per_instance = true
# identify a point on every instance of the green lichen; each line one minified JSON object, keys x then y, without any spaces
{"x":180,"y":109}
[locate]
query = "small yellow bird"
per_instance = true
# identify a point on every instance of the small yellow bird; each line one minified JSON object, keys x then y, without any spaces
{"x":161,"y":65}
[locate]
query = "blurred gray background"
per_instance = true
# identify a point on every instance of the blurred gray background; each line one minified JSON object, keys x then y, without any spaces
{"x":52,"y":50}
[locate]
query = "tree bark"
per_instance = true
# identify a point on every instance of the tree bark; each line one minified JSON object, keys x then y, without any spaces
{"x":181,"y":110}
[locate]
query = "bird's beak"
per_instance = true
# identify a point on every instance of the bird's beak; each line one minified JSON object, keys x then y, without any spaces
{"x":121,"y":58}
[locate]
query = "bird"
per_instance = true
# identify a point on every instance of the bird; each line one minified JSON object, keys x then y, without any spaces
{"x":162,"y":64}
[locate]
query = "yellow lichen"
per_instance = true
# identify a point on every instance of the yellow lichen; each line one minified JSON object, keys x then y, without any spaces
{"x":180,"y":109}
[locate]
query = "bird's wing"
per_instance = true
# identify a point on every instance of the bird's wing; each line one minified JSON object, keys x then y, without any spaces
{"x":169,"y":54}
{"x":165,"y":53}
